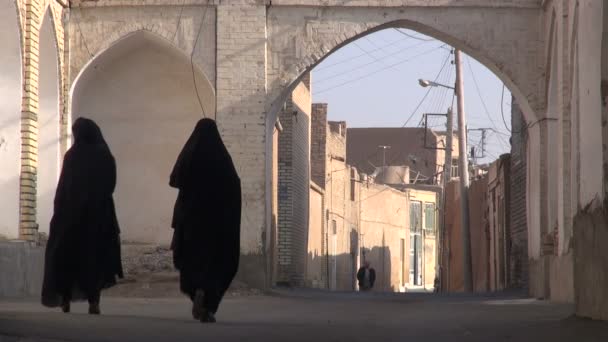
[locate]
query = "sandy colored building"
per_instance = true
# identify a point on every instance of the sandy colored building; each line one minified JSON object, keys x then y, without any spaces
{"x":353,"y":219}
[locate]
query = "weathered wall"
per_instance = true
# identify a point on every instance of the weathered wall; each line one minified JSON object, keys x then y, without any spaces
{"x":294,"y":186}
{"x":316,"y":265}
{"x":384,"y":217}
{"x":452,"y":268}
{"x":489,"y":212}
{"x":10,"y":112}
{"x":241,"y":116}
{"x":318,"y":150}
{"x":518,"y":263}
{"x":342,"y":222}
{"x":590,"y":229}
{"x":480,"y":237}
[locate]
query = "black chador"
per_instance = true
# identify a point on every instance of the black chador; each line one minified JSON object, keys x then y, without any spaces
{"x":83,"y":251}
{"x":206,"y":219}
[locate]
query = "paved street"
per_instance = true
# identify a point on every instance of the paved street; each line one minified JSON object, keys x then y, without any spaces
{"x":306,"y":316}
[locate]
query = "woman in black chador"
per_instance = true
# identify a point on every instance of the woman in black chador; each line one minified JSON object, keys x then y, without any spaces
{"x":83,"y":252}
{"x":206,"y":219}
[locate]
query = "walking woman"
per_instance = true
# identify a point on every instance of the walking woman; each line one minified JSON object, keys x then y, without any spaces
{"x":206,"y":219}
{"x":83,"y":251}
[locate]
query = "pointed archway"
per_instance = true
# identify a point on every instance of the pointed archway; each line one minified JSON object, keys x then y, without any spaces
{"x":146,"y":96}
{"x":48,"y":123}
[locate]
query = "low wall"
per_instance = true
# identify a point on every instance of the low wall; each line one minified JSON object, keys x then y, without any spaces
{"x":21,"y":269}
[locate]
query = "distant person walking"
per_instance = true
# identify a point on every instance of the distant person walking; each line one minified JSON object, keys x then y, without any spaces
{"x":206,"y":219}
{"x":366,"y":277}
{"x":83,"y":251}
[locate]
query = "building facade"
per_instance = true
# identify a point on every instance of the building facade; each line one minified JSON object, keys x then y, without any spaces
{"x":393,"y":229}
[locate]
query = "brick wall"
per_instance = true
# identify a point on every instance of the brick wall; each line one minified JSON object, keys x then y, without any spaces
{"x":35,"y":11}
{"x":318,"y":149}
{"x":518,"y":272}
{"x":294,"y":183}
{"x":242,"y":122}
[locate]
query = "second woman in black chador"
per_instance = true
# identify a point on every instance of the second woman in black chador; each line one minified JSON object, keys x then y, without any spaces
{"x":83,"y":251}
{"x":206,"y":219}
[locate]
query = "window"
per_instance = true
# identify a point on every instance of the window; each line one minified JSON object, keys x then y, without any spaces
{"x":429,"y":217}
{"x":334,"y":227}
{"x":415,"y":216}
{"x":455,"y":168}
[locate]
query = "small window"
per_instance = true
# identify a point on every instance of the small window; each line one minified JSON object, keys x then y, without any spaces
{"x":429,"y":217}
{"x":455,"y":169}
{"x":334,"y":227}
{"x":415,"y":216}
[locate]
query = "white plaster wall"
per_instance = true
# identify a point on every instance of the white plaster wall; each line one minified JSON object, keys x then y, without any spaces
{"x":588,"y":68}
{"x":141,"y":93}
{"x":10,"y":119}
{"x":48,"y":125}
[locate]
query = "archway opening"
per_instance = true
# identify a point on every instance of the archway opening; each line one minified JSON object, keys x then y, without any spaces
{"x":142,"y":94}
{"x":400,"y":154}
{"x":48,"y":123}
{"x":10,"y":119}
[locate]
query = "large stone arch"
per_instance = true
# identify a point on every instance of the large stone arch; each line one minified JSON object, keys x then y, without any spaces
{"x":141,"y":92}
{"x":297,"y":43}
{"x":49,"y":121}
{"x":10,"y":117}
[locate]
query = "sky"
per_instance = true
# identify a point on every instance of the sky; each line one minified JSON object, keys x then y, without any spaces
{"x":373,"y":82}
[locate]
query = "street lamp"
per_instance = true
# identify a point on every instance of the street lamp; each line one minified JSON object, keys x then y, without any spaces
{"x":427,"y":83}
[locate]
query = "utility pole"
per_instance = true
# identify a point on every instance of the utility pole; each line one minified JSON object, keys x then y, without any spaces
{"x":464,"y":178}
{"x":447,"y":176}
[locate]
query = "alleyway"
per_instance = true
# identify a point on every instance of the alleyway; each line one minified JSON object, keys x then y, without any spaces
{"x":307,"y":316}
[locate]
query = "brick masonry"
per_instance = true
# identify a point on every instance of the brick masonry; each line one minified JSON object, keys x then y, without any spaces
{"x":318,"y":145}
{"x":293,"y":187}
{"x":518,"y":273}
{"x":32,"y":15}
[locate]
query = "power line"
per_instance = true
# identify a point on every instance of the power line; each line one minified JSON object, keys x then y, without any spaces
{"x":400,"y":154}
{"x":412,"y":36}
{"x":370,"y":55}
{"x":375,"y":72}
{"x":427,"y":92}
{"x":322,"y":67}
{"x":179,"y":20}
{"x":84,"y":41}
{"x":481,"y":98}
{"x":355,"y":68}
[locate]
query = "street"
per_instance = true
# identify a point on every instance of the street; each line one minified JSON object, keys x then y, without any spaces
{"x":306,"y":316}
